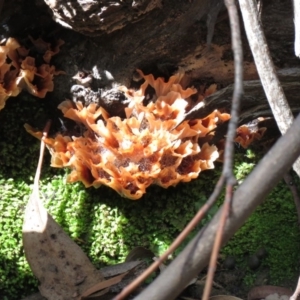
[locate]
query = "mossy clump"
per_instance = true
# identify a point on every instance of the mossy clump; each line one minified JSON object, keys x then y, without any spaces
{"x":272,"y":228}
{"x":15,"y":274}
{"x":18,"y":150}
{"x":105,"y":225}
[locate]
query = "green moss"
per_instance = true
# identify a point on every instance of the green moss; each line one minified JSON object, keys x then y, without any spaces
{"x":107,"y":226}
{"x":15,"y":274}
{"x":274,"y":227}
{"x":17,"y":148}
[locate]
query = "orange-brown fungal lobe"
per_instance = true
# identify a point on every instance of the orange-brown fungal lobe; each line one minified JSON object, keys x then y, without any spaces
{"x":9,"y":69}
{"x":146,"y":147}
{"x":48,"y":49}
{"x":19,"y":71}
{"x":245,"y":136}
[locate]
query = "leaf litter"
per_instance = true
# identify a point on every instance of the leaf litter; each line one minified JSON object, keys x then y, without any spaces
{"x":62,"y":268}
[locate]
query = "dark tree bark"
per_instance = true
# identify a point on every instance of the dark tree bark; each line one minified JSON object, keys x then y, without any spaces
{"x":158,"y":37}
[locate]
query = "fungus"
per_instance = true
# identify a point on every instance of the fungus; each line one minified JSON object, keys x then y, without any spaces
{"x":19,"y":71}
{"x":9,"y":67}
{"x":37,"y":80}
{"x":46,"y":48}
{"x":143,"y":149}
{"x":245,"y":136}
{"x":148,"y":146}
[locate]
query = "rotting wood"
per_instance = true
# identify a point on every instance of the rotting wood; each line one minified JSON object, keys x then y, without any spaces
{"x":165,"y":39}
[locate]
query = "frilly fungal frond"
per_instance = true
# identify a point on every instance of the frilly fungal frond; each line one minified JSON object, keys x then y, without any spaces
{"x":18,"y":71}
{"x":147,"y":147}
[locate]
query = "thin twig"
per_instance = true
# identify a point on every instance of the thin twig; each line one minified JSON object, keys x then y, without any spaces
{"x":226,"y":175}
{"x":177,"y":242}
{"x":217,"y":244}
{"x":247,"y":197}
{"x":229,"y":145}
{"x":42,"y":150}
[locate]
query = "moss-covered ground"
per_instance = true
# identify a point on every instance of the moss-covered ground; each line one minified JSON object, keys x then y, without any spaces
{"x":271,"y":235}
{"x":107,"y":226}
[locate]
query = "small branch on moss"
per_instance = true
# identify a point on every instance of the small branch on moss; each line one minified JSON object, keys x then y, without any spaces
{"x":42,"y":150}
{"x":246,"y":198}
{"x":176,"y":243}
{"x":289,"y":181}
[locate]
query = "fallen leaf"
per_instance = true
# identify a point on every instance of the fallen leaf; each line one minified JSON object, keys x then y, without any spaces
{"x":63,"y":270}
{"x":117,"y":269}
{"x":102,"y":285}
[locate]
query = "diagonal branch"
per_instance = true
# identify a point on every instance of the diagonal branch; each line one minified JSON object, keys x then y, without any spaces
{"x":176,"y":243}
{"x":229,"y":146}
{"x":248,"y":196}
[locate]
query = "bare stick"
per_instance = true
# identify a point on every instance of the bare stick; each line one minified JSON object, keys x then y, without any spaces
{"x":226,"y":175}
{"x":266,"y":70}
{"x":247,"y":197}
{"x":42,"y":150}
{"x":177,"y":242}
{"x":278,"y":103}
{"x":229,"y":146}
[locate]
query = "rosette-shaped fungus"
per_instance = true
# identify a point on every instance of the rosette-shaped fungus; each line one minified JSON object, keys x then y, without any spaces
{"x":9,"y":70}
{"x":19,"y":71}
{"x":46,"y":48}
{"x":245,"y":135}
{"x":147,"y":147}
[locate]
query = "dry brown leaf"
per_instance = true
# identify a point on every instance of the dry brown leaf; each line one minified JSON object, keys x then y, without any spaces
{"x":114,"y":270}
{"x":103,"y":285}
{"x":60,"y":265}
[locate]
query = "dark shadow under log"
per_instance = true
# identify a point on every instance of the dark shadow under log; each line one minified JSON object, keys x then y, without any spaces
{"x":170,"y":35}
{"x":254,"y":103}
